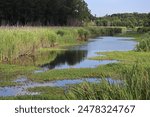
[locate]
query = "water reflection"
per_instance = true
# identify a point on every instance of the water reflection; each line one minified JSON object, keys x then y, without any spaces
{"x":77,"y":56}
{"x":38,"y":59}
{"x":70,"y":58}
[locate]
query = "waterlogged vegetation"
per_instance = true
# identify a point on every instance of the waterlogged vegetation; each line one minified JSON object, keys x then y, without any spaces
{"x":101,"y":71}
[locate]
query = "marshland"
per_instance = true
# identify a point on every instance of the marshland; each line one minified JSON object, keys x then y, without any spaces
{"x":75,"y":56}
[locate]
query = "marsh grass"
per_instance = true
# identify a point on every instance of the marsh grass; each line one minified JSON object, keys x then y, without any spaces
{"x":144,"y":43}
{"x":129,"y":57}
{"x":8,"y":84}
{"x":135,"y":86}
{"x":74,"y":73}
{"x":10,"y":72}
{"x":16,"y":42}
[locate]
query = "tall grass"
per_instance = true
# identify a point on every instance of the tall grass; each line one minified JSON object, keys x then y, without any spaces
{"x":144,"y":44}
{"x":16,"y":42}
{"x":135,"y":86}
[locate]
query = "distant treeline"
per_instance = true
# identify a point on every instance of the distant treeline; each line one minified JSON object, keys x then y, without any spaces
{"x":125,"y":19}
{"x":43,"y":12}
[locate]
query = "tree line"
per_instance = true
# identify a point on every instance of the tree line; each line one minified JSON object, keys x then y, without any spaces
{"x":125,"y":19}
{"x":43,"y":12}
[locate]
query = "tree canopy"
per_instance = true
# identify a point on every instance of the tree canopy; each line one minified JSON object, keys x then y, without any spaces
{"x":43,"y":12}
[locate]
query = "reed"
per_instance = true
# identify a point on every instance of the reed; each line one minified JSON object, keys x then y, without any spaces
{"x":135,"y":85}
{"x":144,"y":44}
{"x":20,"y":41}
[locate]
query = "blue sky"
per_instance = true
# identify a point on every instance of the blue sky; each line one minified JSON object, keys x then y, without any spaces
{"x":103,"y":7}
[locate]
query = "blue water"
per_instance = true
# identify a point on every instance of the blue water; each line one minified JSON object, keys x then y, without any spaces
{"x":77,"y":56}
{"x":22,"y":90}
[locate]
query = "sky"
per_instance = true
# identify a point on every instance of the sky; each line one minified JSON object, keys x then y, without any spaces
{"x":103,"y":7}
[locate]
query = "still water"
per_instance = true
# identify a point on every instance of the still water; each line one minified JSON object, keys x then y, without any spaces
{"x":77,"y":56}
{"x":22,"y":90}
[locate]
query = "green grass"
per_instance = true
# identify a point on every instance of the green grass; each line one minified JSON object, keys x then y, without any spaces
{"x":144,"y":43}
{"x":10,"y":72}
{"x":135,"y":86}
{"x":129,"y":57}
{"x":130,"y":34}
{"x":7,"y":84}
{"x":99,"y":72}
{"x":16,"y":42}
{"x":26,"y":41}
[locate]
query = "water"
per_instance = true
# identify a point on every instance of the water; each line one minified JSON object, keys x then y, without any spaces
{"x":77,"y":56}
{"x":22,"y":90}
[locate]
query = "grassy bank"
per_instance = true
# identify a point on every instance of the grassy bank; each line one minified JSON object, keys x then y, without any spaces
{"x":21,"y":41}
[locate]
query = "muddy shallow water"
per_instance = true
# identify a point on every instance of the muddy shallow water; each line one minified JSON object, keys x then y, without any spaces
{"x":22,"y":90}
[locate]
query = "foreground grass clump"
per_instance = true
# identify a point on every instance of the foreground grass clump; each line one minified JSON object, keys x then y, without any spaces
{"x":135,"y":85}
